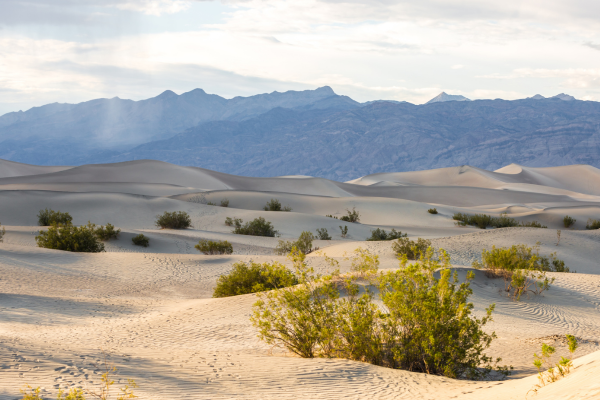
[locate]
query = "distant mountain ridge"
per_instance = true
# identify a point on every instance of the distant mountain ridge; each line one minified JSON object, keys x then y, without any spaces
{"x":442,"y":97}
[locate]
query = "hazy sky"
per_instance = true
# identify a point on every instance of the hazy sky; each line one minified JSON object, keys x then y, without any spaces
{"x":76,"y":50}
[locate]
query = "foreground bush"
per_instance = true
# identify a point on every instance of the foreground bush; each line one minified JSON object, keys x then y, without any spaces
{"x":141,"y":240}
{"x":303,"y":244}
{"x":106,"y":233}
{"x":427,"y":327}
{"x":81,"y":239}
{"x":173,"y":220}
{"x":568,"y":221}
{"x":322,"y":234}
{"x":252,"y":278}
{"x":275,"y":205}
{"x":411,"y":249}
{"x":554,"y":370}
{"x":592,"y":224}
{"x":256,"y":227}
{"x":209,"y":247}
{"x":380,"y":235}
{"x":521,"y":267}
{"x":50,"y":217}
{"x":351,"y":216}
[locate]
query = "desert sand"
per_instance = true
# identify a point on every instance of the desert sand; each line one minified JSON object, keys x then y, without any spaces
{"x":151,"y":310}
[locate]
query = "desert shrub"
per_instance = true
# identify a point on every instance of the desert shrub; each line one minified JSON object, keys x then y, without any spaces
{"x":432,"y":211}
{"x":210,"y":247}
{"x":521,"y":267}
{"x":141,"y":240}
{"x":80,"y":239}
{"x":322,"y":234}
{"x":554,"y":370}
{"x":173,"y":220}
{"x":303,"y":244}
{"x":225,"y":202}
{"x":3,"y":232}
{"x":568,"y":221}
{"x":482,"y":221}
{"x":344,"y":230}
{"x":106,"y":233}
{"x":532,"y":224}
{"x":50,"y":217}
{"x":210,"y":203}
{"x":237,"y":222}
{"x":256,"y":227}
{"x":592,"y":224}
{"x":411,"y":249}
{"x":275,"y":205}
{"x":352,"y":216}
{"x":331,"y":216}
{"x":254,"y":277}
{"x":380,"y":234}
{"x":427,"y":326}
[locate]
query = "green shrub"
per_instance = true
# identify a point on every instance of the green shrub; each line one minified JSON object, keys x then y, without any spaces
{"x":106,"y":233}
{"x":252,"y":278}
{"x":592,"y":224}
{"x":322,"y":234}
{"x":50,"y":217}
{"x":380,"y":234}
{"x":432,"y":211}
{"x":427,"y":326}
{"x":256,"y":227}
{"x":303,"y":244}
{"x":237,"y":222}
{"x":3,"y":232}
{"x":173,"y":220}
{"x":331,"y":216}
{"x":275,"y":205}
{"x":411,"y":249}
{"x":554,"y":371}
{"x":482,"y":221}
{"x":141,"y":240}
{"x":352,"y":216}
{"x":210,"y":203}
{"x":71,"y":238}
{"x":532,"y":224}
{"x":225,"y":202}
{"x":521,"y":267}
{"x":210,"y":247}
{"x":344,"y":230}
{"x":568,"y":221}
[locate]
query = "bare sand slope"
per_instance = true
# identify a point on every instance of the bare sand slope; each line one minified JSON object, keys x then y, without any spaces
{"x":151,"y":309}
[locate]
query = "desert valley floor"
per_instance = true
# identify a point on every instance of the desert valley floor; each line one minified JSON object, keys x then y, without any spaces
{"x":151,"y":310}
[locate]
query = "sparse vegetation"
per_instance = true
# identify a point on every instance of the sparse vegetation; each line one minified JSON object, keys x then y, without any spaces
{"x":432,"y":211}
{"x":50,"y":217}
{"x":275,"y":205}
{"x":411,"y":249}
{"x":592,"y":224}
{"x":210,"y":247}
{"x":254,"y":277}
{"x":322,"y":234}
{"x":351,"y":216}
{"x":554,"y":370}
{"x":380,"y":235}
{"x":3,"y":232}
{"x":568,"y":221}
{"x":173,"y":220}
{"x":331,"y":216}
{"x":532,"y":224}
{"x":71,"y":238}
{"x":106,"y":233}
{"x":484,"y":221}
{"x":303,"y":244}
{"x":210,"y":203}
{"x":141,"y":240}
{"x":521,"y":267}
{"x":256,"y":227}
{"x":344,"y":230}
{"x":237,"y":222}
{"x":225,"y":202}
{"x":427,"y":326}
{"x":558,"y":236}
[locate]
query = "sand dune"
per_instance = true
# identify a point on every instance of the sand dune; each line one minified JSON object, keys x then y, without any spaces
{"x":151,"y":308}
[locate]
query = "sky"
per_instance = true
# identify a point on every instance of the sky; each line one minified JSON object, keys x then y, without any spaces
{"x":70,"y":51}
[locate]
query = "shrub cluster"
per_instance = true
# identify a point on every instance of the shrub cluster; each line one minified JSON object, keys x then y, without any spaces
{"x":427,"y":326}
{"x":432,"y":211}
{"x":592,"y":224}
{"x":141,"y":240}
{"x":210,"y":247}
{"x":254,"y":277}
{"x":173,"y":220}
{"x":303,"y":244}
{"x":237,"y":222}
{"x":256,"y":227}
{"x":106,"y":233}
{"x":521,"y":267}
{"x":568,"y":221}
{"x":352,"y":216}
{"x":331,"y":216}
{"x":554,"y":371}
{"x":483,"y":221}
{"x":71,"y":238}
{"x":532,"y":224}
{"x":411,"y":249}
{"x":50,"y":217}
{"x":275,"y":205}
{"x":322,"y":234}
{"x":380,"y":234}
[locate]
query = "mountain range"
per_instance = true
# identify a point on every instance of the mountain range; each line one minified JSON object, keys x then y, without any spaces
{"x":313,"y":132}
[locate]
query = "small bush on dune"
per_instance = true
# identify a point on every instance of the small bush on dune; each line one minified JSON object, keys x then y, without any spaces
{"x":275,"y":205}
{"x":141,"y":240}
{"x":71,"y":238}
{"x":225,"y":203}
{"x":173,"y":220}
{"x":303,"y":244}
{"x":432,"y":211}
{"x":50,"y":217}
{"x":568,"y":221}
{"x":331,"y":216}
{"x":592,"y":224}
{"x":554,"y":371}
{"x":532,"y":224}
{"x":411,"y":249}
{"x":380,"y":235}
{"x":3,"y":232}
{"x":352,"y":216}
{"x":210,"y":247}
{"x":237,"y":222}
{"x":322,"y":234}
{"x":252,"y":278}
{"x":210,"y":203}
{"x":106,"y":233}
{"x":344,"y":230}
{"x":483,"y":221}
{"x":256,"y":227}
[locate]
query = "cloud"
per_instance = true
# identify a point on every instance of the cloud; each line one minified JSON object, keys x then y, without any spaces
{"x":595,"y":46}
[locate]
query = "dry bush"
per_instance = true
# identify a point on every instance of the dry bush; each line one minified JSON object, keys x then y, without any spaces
{"x":173,"y":220}
{"x":351,"y":216}
{"x":209,"y":247}
{"x":225,"y":202}
{"x":592,"y":224}
{"x":568,"y":221}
